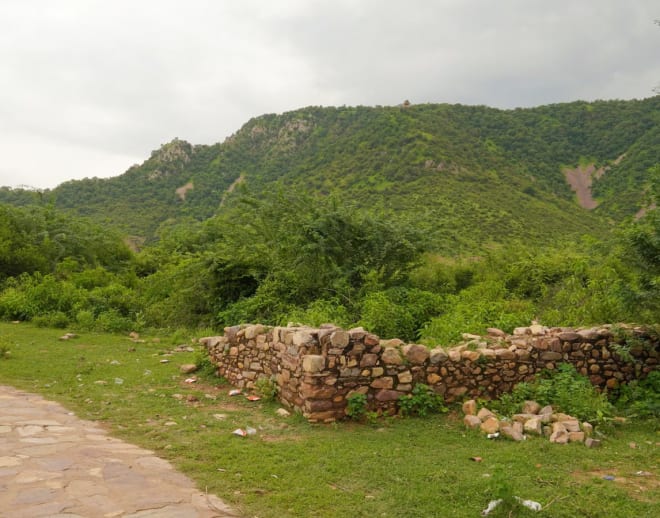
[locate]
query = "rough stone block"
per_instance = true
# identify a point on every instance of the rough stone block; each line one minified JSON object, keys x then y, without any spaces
{"x":437,"y":355}
{"x":385,"y":382}
{"x":575,"y":436}
{"x":472,"y":421}
{"x":531,"y":407}
{"x":313,"y":363}
{"x":490,"y":425}
{"x":470,"y":408}
{"x":511,"y":433}
{"x":392,"y":356}
{"x":416,"y":354}
{"x":387,"y":395}
{"x":551,"y":356}
{"x":484,"y":414}
{"x":533,"y":426}
{"x":405,"y":377}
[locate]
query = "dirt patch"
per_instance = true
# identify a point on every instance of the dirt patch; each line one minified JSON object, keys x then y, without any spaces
{"x":580,"y":180}
{"x":233,"y":186}
{"x":640,"y":485}
{"x":183,"y":190}
{"x":643,"y":211}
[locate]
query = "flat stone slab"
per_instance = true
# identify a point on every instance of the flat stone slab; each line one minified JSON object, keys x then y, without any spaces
{"x":55,"y":464}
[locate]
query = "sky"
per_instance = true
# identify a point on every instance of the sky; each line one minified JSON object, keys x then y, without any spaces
{"x":90,"y":87}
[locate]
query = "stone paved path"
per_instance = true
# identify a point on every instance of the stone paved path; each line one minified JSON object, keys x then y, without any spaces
{"x":53,"y":464}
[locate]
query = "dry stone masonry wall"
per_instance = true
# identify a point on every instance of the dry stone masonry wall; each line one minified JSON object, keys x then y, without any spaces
{"x":316,"y":369}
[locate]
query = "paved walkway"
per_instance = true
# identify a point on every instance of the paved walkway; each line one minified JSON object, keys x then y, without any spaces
{"x":53,"y":464}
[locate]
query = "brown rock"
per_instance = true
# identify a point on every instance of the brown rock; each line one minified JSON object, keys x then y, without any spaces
{"x":438,"y":355}
{"x":392,"y":356}
{"x":522,"y":418}
{"x":470,"y":408}
{"x":383,"y":383}
{"x":188,"y":368}
{"x":416,"y":354}
{"x":490,"y":425}
{"x":575,"y":436}
{"x":432,"y":379}
{"x":531,"y":407}
{"x":533,"y":426}
{"x":472,"y":356}
{"x":484,"y":414}
{"x":369,"y":360}
{"x":537,"y":329}
{"x":313,"y":363}
{"x":572,"y":425}
{"x":472,"y":422}
{"x":511,"y":433}
{"x":559,"y":437}
{"x":587,"y":428}
{"x":339,"y":338}
{"x":551,"y":356}
{"x":505,"y":354}
{"x":592,"y":443}
{"x":568,"y":336}
{"x":387,"y":395}
{"x":498,"y":333}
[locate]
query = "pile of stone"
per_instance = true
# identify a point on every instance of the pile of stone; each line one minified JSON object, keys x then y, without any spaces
{"x":532,"y":421}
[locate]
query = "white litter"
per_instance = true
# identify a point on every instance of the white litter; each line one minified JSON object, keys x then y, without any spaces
{"x":530,"y":504}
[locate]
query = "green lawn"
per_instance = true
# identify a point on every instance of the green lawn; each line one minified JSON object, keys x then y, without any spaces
{"x":395,"y":468}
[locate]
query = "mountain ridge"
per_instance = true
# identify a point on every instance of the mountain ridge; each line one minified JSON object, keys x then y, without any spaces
{"x":496,"y":175}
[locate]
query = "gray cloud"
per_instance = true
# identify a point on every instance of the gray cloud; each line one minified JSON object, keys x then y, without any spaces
{"x":90,"y":87}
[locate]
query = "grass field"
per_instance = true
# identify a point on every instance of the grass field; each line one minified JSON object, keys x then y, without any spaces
{"x":289,"y":468}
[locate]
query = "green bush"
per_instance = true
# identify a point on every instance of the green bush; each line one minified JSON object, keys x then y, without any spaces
{"x":266,"y":388}
{"x":113,"y":322}
{"x":565,"y":389}
{"x":85,"y":320}
{"x":641,"y":398}
{"x":56,"y":319}
{"x":421,"y":402}
{"x":356,"y":406}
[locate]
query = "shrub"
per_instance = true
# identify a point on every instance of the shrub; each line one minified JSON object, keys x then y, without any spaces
{"x":267,"y":388}
{"x":356,"y":406}
{"x":421,"y":402}
{"x":56,"y":319}
{"x":564,"y":389}
{"x":641,"y":398}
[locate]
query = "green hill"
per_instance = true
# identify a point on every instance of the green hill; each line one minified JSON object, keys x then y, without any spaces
{"x":465,"y":175}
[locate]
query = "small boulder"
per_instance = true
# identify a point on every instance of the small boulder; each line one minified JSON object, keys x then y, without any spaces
{"x":533,"y":426}
{"x":590,"y":442}
{"x":490,"y":425}
{"x":531,"y":407}
{"x":484,"y":414}
{"x":188,"y":368}
{"x":472,"y":421}
{"x":512,"y":433}
{"x":470,"y":407}
{"x":575,"y":436}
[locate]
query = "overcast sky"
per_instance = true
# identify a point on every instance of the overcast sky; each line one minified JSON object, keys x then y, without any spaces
{"x":90,"y":87}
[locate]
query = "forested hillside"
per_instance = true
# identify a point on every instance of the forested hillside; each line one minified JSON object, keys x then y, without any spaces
{"x":417,"y":221}
{"x":467,"y":176}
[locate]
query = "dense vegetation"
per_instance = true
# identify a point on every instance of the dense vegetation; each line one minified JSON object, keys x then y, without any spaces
{"x":420,"y":222}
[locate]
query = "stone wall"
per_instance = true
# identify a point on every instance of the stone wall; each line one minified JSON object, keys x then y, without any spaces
{"x":317,"y":369}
